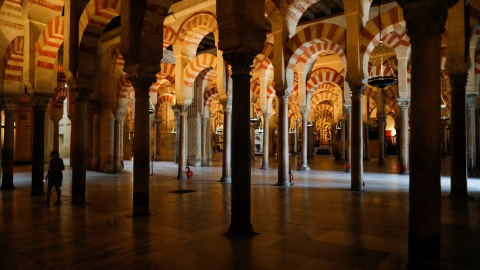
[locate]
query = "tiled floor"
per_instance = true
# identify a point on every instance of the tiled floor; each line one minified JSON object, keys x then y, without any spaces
{"x":316,"y":224}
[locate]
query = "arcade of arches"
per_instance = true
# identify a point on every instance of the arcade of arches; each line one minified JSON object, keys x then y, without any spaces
{"x":185,"y":81}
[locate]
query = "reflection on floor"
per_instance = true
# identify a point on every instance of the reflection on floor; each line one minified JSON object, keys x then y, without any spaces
{"x":316,"y":224}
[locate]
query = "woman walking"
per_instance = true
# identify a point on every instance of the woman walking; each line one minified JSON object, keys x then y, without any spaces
{"x":55,"y":176}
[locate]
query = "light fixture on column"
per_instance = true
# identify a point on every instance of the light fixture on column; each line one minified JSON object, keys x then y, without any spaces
{"x":291,"y":131}
{"x":150,"y":109}
{"x":260,"y":129}
{"x":174,"y":127}
{"x":309,"y":124}
{"x":381,"y":80}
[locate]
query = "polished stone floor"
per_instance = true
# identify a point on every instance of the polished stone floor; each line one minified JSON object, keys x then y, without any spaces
{"x":315,"y":224}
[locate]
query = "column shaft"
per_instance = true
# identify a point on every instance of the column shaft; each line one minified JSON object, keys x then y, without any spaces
{"x":459,"y":137}
{"x":342,"y":141}
{"x":38,"y":162}
{"x":252,"y":141}
{"x":266,"y":138}
{"x":471,"y":142}
{"x":283,"y":177}
{"x":8,"y":148}
{"x":241,"y":160}
{"x":182,"y":143}
{"x":204,"y":142}
{"x":141,"y":152}
{"x":305,"y":142}
{"x":356,"y":141}
{"x":56,"y":134}
{"x":118,"y":143}
{"x":79,"y":148}
{"x":403,"y":136}
{"x":367,"y":141}
{"x":381,"y":139}
{"x":227,"y":146}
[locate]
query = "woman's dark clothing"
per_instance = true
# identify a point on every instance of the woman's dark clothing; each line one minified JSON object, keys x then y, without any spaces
{"x":55,"y":175}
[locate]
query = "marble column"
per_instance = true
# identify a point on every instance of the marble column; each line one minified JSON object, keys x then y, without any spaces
{"x":471,"y":143}
{"x":240,"y":226}
{"x":348,"y":112}
{"x":204,"y":141}
{"x":79,"y":147}
{"x":9,"y":144}
{"x":38,"y":163}
{"x":266,"y":137}
{"x":182,"y":142}
{"x":305,"y":141}
{"x":444,"y":139}
{"x":295,"y":140}
{"x":404,"y":104}
{"x":366,"y":139}
{"x":177,"y":134}
{"x":283,"y":161}
{"x":1,"y":146}
{"x":356,"y":137}
{"x":227,"y":143}
{"x":56,"y":134}
{"x":342,"y":140}
{"x":156,"y":139}
{"x":458,"y":140}
{"x":118,"y":141}
{"x":252,"y":141}
{"x":425,"y":23}
{"x":381,"y":138}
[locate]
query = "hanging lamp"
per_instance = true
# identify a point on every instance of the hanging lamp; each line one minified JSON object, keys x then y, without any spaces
{"x":380,"y":80}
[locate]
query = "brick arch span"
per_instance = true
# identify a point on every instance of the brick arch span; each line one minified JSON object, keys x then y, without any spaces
{"x":49,"y":42}
{"x":194,"y":29}
{"x":322,"y":77}
{"x":13,"y":62}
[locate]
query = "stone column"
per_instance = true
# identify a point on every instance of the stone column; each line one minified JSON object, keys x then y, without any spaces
{"x":366,"y":139}
{"x":118,"y":141}
{"x":79,"y":147}
{"x":156,"y":139}
{"x":182,"y":142}
{"x":425,"y":22}
{"x":1,"y":146}
{"x":404,"y":104}
{"x":241,"y":60}
{"x":40,"y":103}
{"x":227,"y":142}
{"x":305,"y":141}
{"x":444,"y":139}
{"x":295,"y":140}
{"x":471,"y":143}
{"x":266,"y":137}
{"x":56,"y":134}
{"x":10,"y":107}
{"x":458,"y":83}
{"x":205,"y":143}
{"x":381,"y":138}
{"x":252,"y":141}
{"x":348,"y":111}
{"x":342,"y":140}
{"x":356,"y":137}
{"x":177,"y":134}
{"x":283,"y":162}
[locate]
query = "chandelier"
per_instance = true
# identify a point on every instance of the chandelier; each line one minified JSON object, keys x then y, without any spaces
{"x":381,"y":80}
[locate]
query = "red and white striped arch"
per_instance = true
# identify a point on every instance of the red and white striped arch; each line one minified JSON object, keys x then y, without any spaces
{"x":95,"y":17}
{"x":50,"y":41}
{"x":321,"y":46}
{"x":11,"y":18}
{"x":294,"y":13}
{"x":118,"y":58}
{"x":194,"y":29}
{"x":322,"y":96}
{"x":168,"y":36}
{"x":268,"y":50}
{"x":271,"y":91}
{"x":324,"y":76}
{"x":209,"y":95}
{"x":199,"y":63}
{"x":124,"y":86}
{"x":209,"y":79}
{"x":166,"y":98}
{"x":397,"y":39}
{"x":13,"y":61}
{"x":60,"y":94}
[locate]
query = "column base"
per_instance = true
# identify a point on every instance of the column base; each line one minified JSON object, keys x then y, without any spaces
{"x":7,"y":187}
{"x":281,"y":184}
{"x":265,"y":167}
{"x":240,"y":232}
{"x":304,"y":168}
{"x":460,"y":197}
{"x":181,"y":177}
{"x":37,"y":193}
{"x":381,"y":163}
{"x":225,"y":179}
{"x":7,"y":182}
{"x":140,"y":212}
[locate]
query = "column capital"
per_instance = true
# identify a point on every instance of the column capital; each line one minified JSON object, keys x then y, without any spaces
{"x":471,"y":100}
{"x":305,"y":113}
{"x":180,"y":108}
{"x":403,"y":103}
{"x":41,"y":101}
{"x":266,"y":115}
{"x":458,"y":80}
{"x":424,"y":18}
{"x":226,"y":101}
{"x":240,"y":59}
{"x":205,"y":120}
{"x":10,"y":104}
